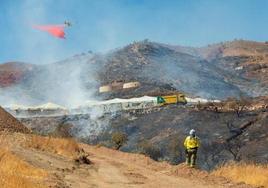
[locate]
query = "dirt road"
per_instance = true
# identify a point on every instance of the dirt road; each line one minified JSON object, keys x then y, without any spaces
{"x":113,"y":172}
{"x":114,"y":169}
{"x":108,"y":170}
{"x":118,"y":169}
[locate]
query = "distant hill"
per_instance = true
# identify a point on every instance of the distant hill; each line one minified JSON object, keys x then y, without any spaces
{"x":13,"y":72}
{"x":228,"y":69}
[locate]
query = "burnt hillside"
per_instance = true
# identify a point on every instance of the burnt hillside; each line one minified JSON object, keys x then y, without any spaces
{"x":228,"y":69}
{"x":156,"y":66}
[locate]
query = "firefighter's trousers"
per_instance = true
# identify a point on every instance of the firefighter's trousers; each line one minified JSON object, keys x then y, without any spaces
{"x":191,"y":155}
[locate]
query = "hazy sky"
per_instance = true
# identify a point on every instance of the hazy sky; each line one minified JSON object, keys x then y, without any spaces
{"x":101,"y":25}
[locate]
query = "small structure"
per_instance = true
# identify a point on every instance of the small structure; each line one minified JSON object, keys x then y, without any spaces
{"x":48,"y":109}
{"x":140,"y":103}
{"x":114,"y":86}
{"x":118,"y":85}
{"x":131,"y":85}
{"x":105,"y":88}
{"x":200,"y":100}
{"x":116,"y":105}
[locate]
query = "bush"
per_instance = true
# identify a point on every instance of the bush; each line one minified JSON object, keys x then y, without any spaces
{"x":119,"y":139}
{"x":66,"y":147}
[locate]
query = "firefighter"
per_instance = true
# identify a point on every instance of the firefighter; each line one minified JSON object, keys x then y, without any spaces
{"x":191,"y":145}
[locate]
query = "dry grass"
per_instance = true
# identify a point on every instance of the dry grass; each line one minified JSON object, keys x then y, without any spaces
{"x":16,"y":173}
{"x":252,"y":174}
{"x":66,"y":147}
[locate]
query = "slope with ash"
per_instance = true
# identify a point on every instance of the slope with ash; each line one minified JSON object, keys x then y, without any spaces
{"x":159,"y":68}
{"x":160,"y":132}
{"x":248,"y":60}
{"x":223,"y":70}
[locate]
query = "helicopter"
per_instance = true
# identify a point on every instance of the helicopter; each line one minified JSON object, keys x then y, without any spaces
{"x":67,"y":23}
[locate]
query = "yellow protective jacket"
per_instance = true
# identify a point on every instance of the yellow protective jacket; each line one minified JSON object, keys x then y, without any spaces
{"x":191,"y":142}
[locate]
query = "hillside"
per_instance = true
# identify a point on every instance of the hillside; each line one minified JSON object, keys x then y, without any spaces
{"x":159,"y":68}
{"x":228,"y":69}
{"x":247,"y":59}
{"x":13,"y":73}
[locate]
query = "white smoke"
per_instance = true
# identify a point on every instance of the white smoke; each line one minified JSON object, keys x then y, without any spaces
{"x":69,"y":82}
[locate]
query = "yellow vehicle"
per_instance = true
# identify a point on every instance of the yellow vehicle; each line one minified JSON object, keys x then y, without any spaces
{"x":172,"y":99}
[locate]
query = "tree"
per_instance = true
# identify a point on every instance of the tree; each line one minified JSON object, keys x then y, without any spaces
{"x":238,"y":105}
{"x":119,"y":139}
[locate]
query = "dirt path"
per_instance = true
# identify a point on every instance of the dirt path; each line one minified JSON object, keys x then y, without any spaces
{"x":115,"y":169}
{"x":113,"y":174}
{"x":106,"y":171}
{"x":118,"y":169}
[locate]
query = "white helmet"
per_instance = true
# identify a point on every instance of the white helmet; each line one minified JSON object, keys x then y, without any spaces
{"x":192,"y":132}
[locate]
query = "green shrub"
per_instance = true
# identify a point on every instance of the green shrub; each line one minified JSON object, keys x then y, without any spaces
{"x":119,"y":139}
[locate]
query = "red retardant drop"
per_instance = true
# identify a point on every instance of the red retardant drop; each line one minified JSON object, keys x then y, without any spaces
{"x":54,"y":30}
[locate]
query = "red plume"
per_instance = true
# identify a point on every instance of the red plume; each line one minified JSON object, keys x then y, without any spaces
{"x":54,"y":30}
